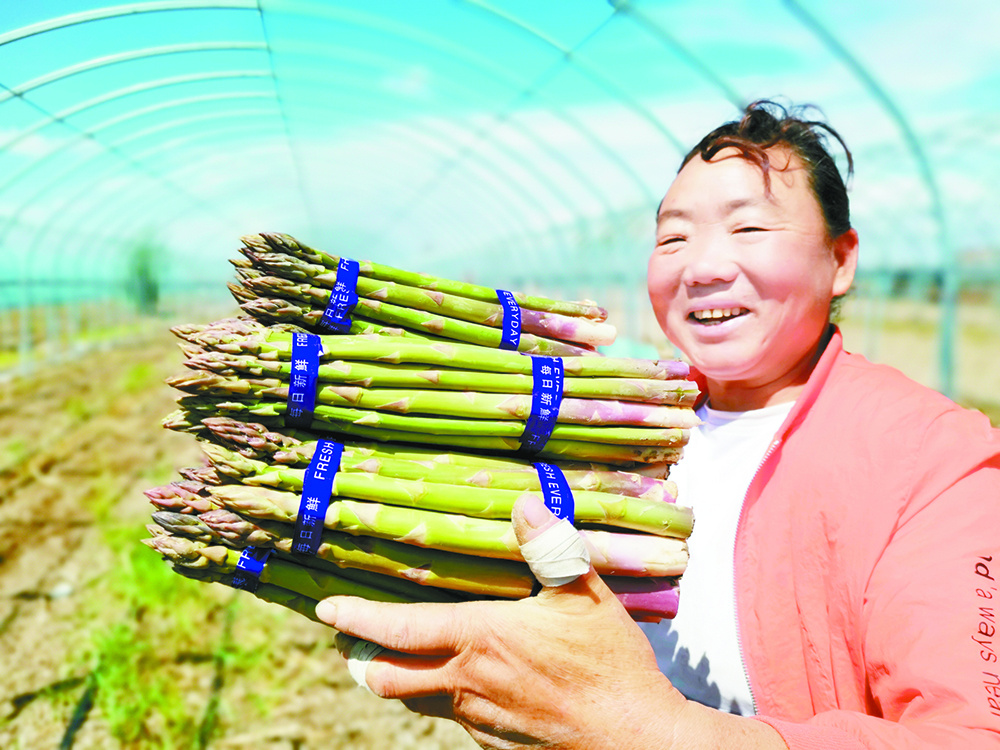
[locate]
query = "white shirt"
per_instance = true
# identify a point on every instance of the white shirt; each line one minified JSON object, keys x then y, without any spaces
{"x":699,"y":649}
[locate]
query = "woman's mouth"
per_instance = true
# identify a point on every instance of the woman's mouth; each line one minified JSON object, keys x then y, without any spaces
{"x":717,"y":315}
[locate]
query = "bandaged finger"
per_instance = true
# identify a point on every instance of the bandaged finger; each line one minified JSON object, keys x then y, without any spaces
{"x":359,"y":654}
{"x":558,"y":555}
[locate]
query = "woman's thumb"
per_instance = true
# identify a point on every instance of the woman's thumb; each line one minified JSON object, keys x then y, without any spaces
{"x":552,"y":547}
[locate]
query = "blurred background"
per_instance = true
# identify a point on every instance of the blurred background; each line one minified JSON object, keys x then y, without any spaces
{"x":515,"y":143}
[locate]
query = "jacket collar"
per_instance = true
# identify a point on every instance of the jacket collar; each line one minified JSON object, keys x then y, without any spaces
{"x":831,"y":350}
{"x":817,"y":378}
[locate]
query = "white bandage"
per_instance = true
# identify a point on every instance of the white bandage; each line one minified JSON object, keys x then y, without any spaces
{"x":359,"y":655}
{"x":558,"y":555}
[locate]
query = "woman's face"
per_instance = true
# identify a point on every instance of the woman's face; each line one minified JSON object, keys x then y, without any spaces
{"x":741,"y":280}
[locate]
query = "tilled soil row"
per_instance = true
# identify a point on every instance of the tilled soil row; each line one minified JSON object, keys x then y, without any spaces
{"x":79,"y":443}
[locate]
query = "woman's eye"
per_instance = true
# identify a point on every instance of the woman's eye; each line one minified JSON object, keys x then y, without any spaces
{"x":669,"y":244}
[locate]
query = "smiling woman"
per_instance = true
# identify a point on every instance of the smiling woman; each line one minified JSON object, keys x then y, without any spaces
{"x":753,"y":244}
{"x":834,"y":637}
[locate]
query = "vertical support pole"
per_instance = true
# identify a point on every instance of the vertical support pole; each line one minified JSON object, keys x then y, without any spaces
{"x":950,"y":275}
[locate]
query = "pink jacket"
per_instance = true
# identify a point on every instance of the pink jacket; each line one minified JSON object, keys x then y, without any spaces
{"x":867,"y":567}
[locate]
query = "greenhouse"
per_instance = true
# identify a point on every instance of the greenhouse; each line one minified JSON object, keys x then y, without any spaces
{"x":156,"y":155}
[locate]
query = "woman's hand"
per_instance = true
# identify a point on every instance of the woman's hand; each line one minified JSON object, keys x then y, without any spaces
{"x":567,"y":668}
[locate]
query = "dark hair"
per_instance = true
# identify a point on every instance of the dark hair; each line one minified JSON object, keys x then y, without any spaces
{"x":766,"y":124}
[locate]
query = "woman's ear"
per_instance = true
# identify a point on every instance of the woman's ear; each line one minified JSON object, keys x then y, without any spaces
{"x":845,"y":252}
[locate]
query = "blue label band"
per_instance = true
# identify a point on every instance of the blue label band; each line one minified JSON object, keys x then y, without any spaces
{"x":556,"y":493}
{"x":511,"y":336}
{"x":317,"y":487}
{"x":306,"y":350}
{"x":343,"y":298}
{"x":249,"y":567}
{"x":546,"y":396}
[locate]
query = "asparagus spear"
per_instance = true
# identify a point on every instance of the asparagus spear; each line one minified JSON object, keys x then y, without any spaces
{"x":668,"y":437}
{"x":612,"y":553}
{"x":267,"y":592}
{"x":553,"y":325}
{"x":203,"y":528}
{"x":644,"y":602}
{"x":275,"y":299}
{"x":277,"y":345}
{"x":432,"y":569}
{"x":651,"y":516}
{"x":184,"y":497}
{"x":642,"y":597}
{"x":184,"y":420}
{"x":469,"y":404}
{"x":236,"y":326}
{"x":271,"y":241}
{"x":332,"y":420}
{"x":202,"y":474}
{"x":452,"y":532}
{"x":425,"y":466}
{"x":296,"y":447}
{"x":271,"y":287}
{"x":309,"y":582}
{"x":415,"y":565}
{"x":379,"y":375}
{"x":284,"y":312}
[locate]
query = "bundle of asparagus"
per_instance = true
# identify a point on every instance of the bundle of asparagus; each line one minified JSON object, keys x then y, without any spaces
{"x":389,"y":388}
{"x":284,"y":280}
{"x":438,"y":416}
{"x":409,"y":524}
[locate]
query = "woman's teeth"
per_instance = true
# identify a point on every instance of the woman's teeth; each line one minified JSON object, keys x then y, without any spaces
{"x":718,"y":315}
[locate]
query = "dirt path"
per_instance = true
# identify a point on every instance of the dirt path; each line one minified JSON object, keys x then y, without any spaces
{"x":78,"y":444}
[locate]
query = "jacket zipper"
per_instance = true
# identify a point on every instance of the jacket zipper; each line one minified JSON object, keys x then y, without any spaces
{"x":797,"y":408}
{"x":736,"y":616}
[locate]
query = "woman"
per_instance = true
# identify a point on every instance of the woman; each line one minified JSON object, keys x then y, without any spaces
{"x":857,"y":514}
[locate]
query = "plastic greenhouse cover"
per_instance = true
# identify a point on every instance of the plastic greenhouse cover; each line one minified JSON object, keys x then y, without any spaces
{"x":513,"y":139}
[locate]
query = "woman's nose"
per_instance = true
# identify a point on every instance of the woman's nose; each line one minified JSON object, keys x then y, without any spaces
{"x":710,"y":260}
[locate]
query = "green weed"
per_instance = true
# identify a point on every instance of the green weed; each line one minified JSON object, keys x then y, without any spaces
{"x":14,"y":452}
{"x":162,"y":648}
{"x":144,"y":618}
{"x":79,"y":408}
{"x":139,"y":377}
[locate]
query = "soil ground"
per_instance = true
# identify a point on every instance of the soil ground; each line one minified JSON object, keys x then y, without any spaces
{"x":79,"y":442}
